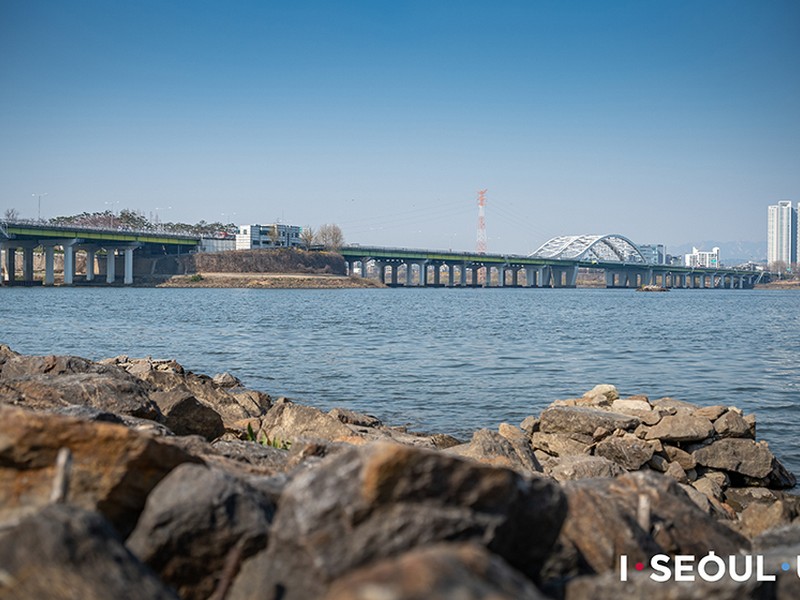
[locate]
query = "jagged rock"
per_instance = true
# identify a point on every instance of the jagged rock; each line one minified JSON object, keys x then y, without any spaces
{"x":683,"y":458}
{"x":751,"y":422}
{"x":779,"y":546}
{"x":529,"y":425}
{"x":185,"y":415}
{"x":677,"y":472}
{"x":491,"y":448}
{"x":638,"y":407}
{"x":443,"y":571}
{"x":51,"y":382}
{"x":235,"y":456}
{"x":673,"y":406}
{"x":719,"y":477}
{"x":226,"y":380}
{"x":731,"y":424}
{"x":566,"y":419}
{"x":252,"y":402}
{"x":113,"y":468}
{"x":658,"y":463}
{"x":627,"y":451}
{"x":352,"y":417}
{"x":681,"y":428}
{"x":522,"y":446}
{"x":568,"y":468}
{"x":65,"y":552}
{"x":712,"y":413}
{"x":558,"y":444}
{"x":604,"y":389}
{"x":709,"y":487}
{"x":377,"y":501}
{"x":744,"y":456}
{"x":758,"y":518}
{"x":231,"y":406}
{"x":639,"y":585}
{"x":287,"y":422}
{"x":741,"y":498}
{"x":699,"y":498}
{"x":442,"y":441}
{"x":602,"y":522}
{"x":194,"y":521}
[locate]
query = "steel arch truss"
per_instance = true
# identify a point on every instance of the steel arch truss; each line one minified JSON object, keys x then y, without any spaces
{"x":611,"y":248}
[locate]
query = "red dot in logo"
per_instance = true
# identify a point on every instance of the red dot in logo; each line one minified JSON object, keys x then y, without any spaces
{"x":639,"y":566}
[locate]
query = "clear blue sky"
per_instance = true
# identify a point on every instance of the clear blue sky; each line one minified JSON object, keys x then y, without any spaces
{"x":665,"y":120}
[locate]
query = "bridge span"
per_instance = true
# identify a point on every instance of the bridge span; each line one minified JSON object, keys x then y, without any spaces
{"x":623,"y":267}
{"x":103,"y":249}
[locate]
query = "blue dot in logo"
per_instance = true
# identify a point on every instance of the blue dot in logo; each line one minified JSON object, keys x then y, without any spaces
{"x":786,"y":566}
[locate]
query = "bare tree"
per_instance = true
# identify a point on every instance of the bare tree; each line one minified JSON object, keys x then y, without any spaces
{"x":308,"y":235}
{"x":274,"y":235}
{"x":778,"y":266}
{"x":11,"y":214}
{"x":330,"y":236}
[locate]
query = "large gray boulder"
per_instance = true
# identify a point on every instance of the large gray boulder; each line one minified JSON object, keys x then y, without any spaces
{"x":627,"y":451}
{"x":569,"y":468}
{"x":681,"y":427}
{"x":53,"y":382}
{"x":637,"y":514}
{"x":577,"y":419}
{"x":113,"y":467}
{"x":287,"y":422}
{"x":492,"y":448}
{"x":441,"y":572}
{"x":377,"y":501}
{"x":63,"y":552}
{"x":186,"y":415}
{"x":745,"y":457}
{"x":195,"y":520}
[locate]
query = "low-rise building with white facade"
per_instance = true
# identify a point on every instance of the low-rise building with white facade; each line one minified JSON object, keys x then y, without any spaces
{"x":699,"y":258}
{"x":276,"y":235}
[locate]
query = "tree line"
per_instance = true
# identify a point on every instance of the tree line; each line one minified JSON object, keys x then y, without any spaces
{"x":328,"y":236}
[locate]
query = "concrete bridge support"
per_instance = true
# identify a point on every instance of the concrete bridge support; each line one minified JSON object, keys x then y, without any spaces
{"x":10,"y":264}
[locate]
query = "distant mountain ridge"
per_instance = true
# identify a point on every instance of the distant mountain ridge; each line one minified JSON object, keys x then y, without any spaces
{"x":730,"y":253}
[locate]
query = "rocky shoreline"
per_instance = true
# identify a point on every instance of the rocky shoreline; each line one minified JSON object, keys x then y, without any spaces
{"x":139,"y":479}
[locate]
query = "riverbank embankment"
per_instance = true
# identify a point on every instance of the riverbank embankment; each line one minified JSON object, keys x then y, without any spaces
{"x":275,"y":268}
{"x":140,"y":479}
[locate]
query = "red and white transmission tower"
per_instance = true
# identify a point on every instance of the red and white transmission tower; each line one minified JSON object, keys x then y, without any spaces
{"x":481,"y":222}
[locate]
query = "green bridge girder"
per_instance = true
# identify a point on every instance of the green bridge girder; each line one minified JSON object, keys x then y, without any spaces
{"x":407,"y":254}
{"x":37,"y":232}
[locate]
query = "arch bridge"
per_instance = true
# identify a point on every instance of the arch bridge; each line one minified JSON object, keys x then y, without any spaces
{"x":555,"y":264}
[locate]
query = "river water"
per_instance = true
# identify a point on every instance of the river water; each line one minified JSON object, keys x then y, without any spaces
{"x":449,"y":360}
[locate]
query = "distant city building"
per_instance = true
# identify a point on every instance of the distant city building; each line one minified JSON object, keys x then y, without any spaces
{"x":655,"y":254}
{"x":275,"y":235}
{"x":698,"y":258}
{"x":783,"y":238}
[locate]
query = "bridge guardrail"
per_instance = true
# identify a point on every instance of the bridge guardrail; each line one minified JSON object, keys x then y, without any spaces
{"x":45,"y":225}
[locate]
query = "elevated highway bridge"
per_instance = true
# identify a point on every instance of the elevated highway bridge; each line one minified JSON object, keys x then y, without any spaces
{"x":555,"y":264}
{"x":107,"y":245}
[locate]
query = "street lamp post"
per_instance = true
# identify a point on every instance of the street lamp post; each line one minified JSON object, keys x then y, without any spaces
{"x":39,"y":217}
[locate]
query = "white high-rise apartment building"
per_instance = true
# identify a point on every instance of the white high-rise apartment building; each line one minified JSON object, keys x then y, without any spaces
{"x":782,"y":233}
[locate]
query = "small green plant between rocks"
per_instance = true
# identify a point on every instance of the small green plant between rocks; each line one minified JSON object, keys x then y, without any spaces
{"x":196,"y":277}
{"x":265,"y":441}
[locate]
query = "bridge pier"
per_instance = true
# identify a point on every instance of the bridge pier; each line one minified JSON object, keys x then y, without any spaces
{"x":11,"y":264}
